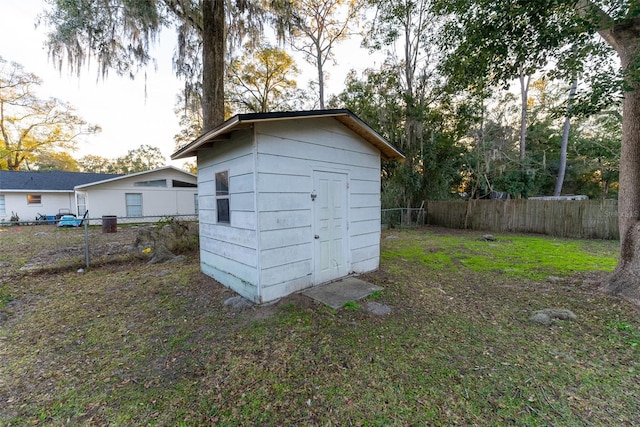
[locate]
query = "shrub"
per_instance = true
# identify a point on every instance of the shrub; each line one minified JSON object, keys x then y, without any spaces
{"x":170,"y":234}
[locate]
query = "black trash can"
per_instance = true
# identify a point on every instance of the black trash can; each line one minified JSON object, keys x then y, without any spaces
{"x":109,"y":223}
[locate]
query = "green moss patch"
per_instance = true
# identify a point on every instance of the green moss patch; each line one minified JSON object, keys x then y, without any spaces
{"x":528,"y":257}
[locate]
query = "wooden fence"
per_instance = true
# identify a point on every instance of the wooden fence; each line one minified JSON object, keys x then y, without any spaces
{"x":592,"y":219}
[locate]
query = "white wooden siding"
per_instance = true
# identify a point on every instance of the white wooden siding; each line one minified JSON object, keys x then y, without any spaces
{"x":287,"y":156}
{"x":228,"y":252}
{"x":364,"y":213}
{"x":291,"y":253}
{"x":267,"y":250}
{"x":238,"y":276}
{"x":274,"y":239}
{"x":275,"y":220}
{"x":291,"y":271}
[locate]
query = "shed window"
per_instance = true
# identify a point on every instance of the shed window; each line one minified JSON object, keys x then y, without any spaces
{"x":3,"y":209}
{"x":222,"y":197}
{"x":34,"y":199}
{"x":134,"y":204}
{"x":195,"y":202}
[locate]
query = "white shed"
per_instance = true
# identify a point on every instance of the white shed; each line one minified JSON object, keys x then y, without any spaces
{"x":288,"y":200}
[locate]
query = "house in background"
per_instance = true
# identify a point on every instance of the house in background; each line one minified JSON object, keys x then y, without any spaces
{"x":288,"y":200}
{"x":29,"y":194}
{"x":164,"y":191}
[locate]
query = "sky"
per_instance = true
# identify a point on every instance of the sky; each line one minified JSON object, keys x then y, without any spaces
{"x":130,"y":112}
{"x":127,"y":116}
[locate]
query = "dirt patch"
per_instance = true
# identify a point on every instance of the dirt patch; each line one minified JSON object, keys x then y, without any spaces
{"x":70,"y":257}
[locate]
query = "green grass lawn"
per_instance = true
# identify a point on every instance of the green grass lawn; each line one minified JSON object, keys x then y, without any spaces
{"x":518,"y":256}
{"x":133,"y":344}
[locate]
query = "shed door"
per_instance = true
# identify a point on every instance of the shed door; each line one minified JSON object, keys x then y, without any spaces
{"x":330,"y":226}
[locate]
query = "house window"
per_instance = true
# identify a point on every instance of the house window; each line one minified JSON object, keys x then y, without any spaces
{"x":134,"y":204}
{"x":152,"y":183}
{"x":183,"y":184}
{"x":34,"y":199}
{"x":195,"y":202}
{"x":222,"y":197}
{"x":3,"y":209}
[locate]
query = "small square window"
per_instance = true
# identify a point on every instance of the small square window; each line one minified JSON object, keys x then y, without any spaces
{"x":134,"y":204}
{"x":34,"y":199}
{"x":223,"y":211}
{"x":222,"y":183}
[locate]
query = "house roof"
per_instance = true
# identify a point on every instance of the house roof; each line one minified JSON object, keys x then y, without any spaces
{"x":240,"y":121}
{"x":120,"y":177}
{"x":47,"y":181}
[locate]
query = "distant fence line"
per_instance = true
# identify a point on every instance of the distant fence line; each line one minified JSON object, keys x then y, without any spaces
{"x":90,"y":240}
{"x":101,"y":220}
{"x":593,"y":219}
{"x":402,"y":217}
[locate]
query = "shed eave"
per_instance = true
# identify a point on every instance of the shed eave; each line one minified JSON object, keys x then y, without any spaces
{"x":344,"y":116}
{"x":387,"y":151}
{"x":191,"y":149}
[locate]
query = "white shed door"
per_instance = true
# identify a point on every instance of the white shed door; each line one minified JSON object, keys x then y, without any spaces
{"x":330,"y":226}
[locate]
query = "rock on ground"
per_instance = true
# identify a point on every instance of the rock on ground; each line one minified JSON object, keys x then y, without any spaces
{"x":549,"y":315}
{"x":238,"y":303}
{"x":378,"y":309}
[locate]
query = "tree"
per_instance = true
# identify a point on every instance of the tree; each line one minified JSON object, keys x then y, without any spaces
{"x":188,"y":110}
{"x":261,"y":81}
{"x":426,"y":117}
{"x":317,"y":27}
{"x":143,"y":158}
{"x":525,"y":80}
{"x":119,"y":33}
{"x":598,"y":153}
{"x":562,"y":31}
{"x":492,"y":163}
{"x":432,"y":171}
{"x":557,"y":190}
{"x":374,"y":98}
{"x":55,"y":161}
{"x":95,"y":164}
{"x":31,"y":127}
{"x":492,"y":158}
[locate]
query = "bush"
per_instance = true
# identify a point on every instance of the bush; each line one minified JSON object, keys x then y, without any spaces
{"x":168,"y":234}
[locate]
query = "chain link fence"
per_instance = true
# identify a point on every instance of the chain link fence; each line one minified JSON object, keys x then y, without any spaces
{"x":45,"y":245}
{"x":402,"y":217}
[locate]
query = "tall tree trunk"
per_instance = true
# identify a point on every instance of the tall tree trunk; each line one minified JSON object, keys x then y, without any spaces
{"x":625,"y":280}
{"x":213,"y":63}
{"x":320,"y":74}
{"x":524,"y":98}
{"x":565,"y":140}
